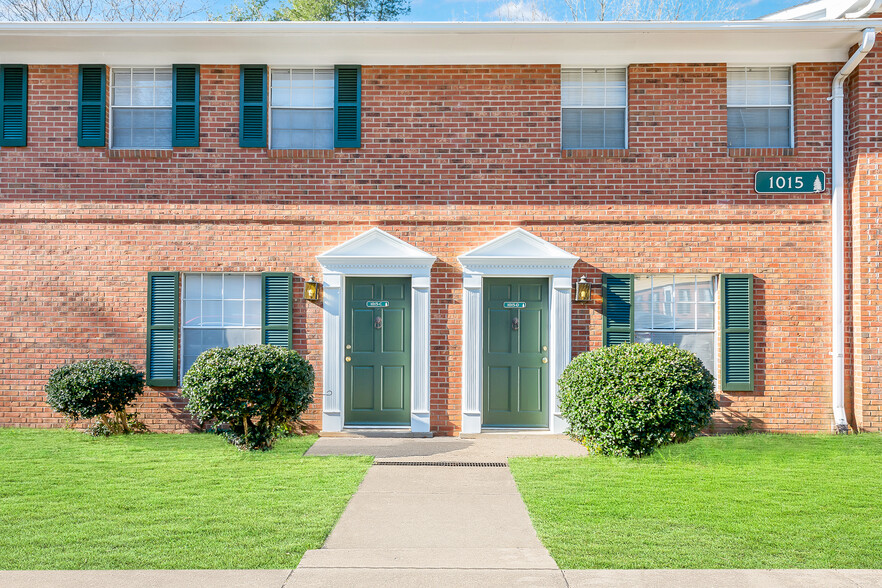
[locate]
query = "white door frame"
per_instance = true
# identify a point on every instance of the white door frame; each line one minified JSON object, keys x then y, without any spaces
{"x":374,"y":253}
{"x":517,"y":253}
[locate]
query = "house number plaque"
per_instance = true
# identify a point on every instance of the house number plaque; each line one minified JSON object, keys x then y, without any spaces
{"x":514,"y":305}
{"x":377,"y":303}
{"x":790,"y":182}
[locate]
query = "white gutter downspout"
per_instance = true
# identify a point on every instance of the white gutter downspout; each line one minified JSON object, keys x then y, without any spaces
{"x":840,"y":419}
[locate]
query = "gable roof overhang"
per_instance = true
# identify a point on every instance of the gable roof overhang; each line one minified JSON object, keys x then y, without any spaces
{"x":398,"y":43}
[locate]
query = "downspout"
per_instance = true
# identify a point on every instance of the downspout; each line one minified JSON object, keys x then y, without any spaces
{"x":838,"y":189}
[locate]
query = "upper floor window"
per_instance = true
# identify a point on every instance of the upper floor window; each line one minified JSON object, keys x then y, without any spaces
{"x":141,"y":108}
{"x":594,"y":108}
{"x":760,"y":111}
{"x":302,"y":108}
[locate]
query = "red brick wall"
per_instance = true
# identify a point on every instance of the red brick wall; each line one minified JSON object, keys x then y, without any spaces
{"x":452,"y":157}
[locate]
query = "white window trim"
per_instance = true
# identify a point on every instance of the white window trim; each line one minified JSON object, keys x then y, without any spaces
{"x":112,"y":107}
{"x":269,"y":104}
{"x":626,"y":107}
{"x":792,"y":106}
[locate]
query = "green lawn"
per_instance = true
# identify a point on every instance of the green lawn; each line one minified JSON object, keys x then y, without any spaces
{"x":755,"y":501}
{"x":69,"y":501}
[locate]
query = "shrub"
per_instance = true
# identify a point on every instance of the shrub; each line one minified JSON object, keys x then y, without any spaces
{"x":630,"y":399}
{"x":253,"y":389}
{"x":97,"y":388}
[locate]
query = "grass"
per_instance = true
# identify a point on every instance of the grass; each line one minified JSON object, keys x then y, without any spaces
{"x":753,"y":501}
{"x":69,"y":501}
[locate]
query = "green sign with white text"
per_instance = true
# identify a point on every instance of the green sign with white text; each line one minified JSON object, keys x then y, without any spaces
{"x":790,"y":182}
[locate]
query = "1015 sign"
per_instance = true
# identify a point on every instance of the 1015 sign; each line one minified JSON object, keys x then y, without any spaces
{"x":790,"y":182}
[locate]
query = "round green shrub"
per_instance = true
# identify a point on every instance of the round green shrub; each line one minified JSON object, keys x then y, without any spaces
{"x":253,"y":389}
{"x":630,"y":399}
{"x":96,"y":388}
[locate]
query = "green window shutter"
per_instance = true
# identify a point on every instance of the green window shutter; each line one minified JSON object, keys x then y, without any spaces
{"x":91,"y":106}
{"x":185,"y":106}
{"x":737,"y":332}
{"x":252,"y":106}
{"x":347,"y":106}
{"x":618,"y":309}
{"x":13,"y":105}
{"x":278,"y":308}
{"x":163,"y":296}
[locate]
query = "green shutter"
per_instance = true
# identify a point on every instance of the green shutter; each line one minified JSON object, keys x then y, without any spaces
{"x":737,"y":332}
{"x":252,"y":106}
{"x":185,"y":107}
{"x":618,"y":309}
{"x":163,"y":295}
{"x":278,"y":308}
{"x":13,"y":105}
{"x":91,"y":106}
{"x":347,"y":106}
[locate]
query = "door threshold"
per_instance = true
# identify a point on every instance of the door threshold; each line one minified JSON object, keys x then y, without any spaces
{"x":376,"y":433}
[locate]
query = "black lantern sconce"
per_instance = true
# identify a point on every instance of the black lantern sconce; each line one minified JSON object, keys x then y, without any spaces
{"x":583,"y":290}
{"x":311,"y":289}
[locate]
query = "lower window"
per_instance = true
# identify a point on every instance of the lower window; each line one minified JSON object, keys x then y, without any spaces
{"x":220,"y":310}
{"x":677,"y":310}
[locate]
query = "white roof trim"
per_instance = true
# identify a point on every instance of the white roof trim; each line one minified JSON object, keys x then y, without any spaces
{"x":297,"y":43}
{"x":825,"y":9}
{"x":375,"y":248}
{"x":517,"y":248}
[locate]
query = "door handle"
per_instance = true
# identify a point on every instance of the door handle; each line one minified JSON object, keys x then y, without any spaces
{"x":348,"y":358}
{"x":515,"y":324}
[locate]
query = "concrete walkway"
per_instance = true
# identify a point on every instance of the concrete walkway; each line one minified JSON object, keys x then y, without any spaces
{"x":435,"y":525}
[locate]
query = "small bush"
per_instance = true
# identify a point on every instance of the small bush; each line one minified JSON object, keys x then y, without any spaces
{"x":254,"y":389}
{"x":630,"y":399}
{"x":97,"y":388}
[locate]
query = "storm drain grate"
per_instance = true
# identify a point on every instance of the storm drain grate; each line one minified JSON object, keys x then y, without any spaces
{"x":456,"y":464}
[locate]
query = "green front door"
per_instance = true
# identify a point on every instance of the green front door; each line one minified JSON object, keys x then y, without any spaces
{"x":377,"y":351}
{"x":515,"y":352}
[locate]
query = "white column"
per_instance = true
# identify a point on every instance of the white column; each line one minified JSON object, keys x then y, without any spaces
{"x":332,"y":304}
{"x":561,"y":343}
{"x":421,"y":306}
{"x":471,"y":353}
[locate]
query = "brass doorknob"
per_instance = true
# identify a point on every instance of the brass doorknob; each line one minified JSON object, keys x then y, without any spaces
{"x":544,"y":360}
{"x":348,"y":358}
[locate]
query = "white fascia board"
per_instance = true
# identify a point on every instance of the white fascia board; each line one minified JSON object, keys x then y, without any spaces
{"x":595,"y":44}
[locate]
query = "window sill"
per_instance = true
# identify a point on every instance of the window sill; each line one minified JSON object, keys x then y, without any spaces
{"x":745,"y":152}
{"x":300,"y":153}
{"x":139,"y":153}
{"x":594,"y":153}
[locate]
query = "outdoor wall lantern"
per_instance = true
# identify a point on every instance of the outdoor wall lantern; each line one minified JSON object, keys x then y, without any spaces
{"x":583,"y":290}
{"x":311,"y":289}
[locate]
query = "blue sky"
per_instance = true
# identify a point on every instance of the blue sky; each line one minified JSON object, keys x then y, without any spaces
{"x":475,"y":10}
{"x":470,"y":10}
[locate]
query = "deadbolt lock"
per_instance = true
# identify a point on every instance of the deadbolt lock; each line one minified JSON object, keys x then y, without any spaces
{"x":348,"y":358}
{"x":349,"y":347}
{"x":544,"y":360}
{"x":545,"y":348}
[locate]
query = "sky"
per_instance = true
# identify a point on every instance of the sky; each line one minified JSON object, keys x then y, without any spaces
{"x":471,"y":10}
{"x":494,"y":10}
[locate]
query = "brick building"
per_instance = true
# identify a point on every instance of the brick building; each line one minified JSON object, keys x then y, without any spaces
{"x":447,"y":185}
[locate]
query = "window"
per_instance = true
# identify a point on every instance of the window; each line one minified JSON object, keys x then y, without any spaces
{"x":141,"y":108}
{"x":302,"y":108}
{"x":220,"y":310}
{"x":678,"y":310}
{"x":594,"y":105}
{"x":759,"y":107}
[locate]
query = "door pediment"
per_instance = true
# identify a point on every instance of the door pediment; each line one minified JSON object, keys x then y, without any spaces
{"x":375,"y":248}
{"x":517,"y":248}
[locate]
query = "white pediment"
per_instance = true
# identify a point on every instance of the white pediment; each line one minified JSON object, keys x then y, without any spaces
{"x":375,"y":247}
{"x":518,"y":248}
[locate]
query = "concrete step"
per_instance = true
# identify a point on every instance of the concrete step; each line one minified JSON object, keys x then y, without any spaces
{"x":425,"y":578}
{"x":436,"y":558}
{"x":375,"y":434}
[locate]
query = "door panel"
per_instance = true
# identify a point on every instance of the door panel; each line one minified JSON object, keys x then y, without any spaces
{"x":377,"y":351}
{"x":515,"y":378}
